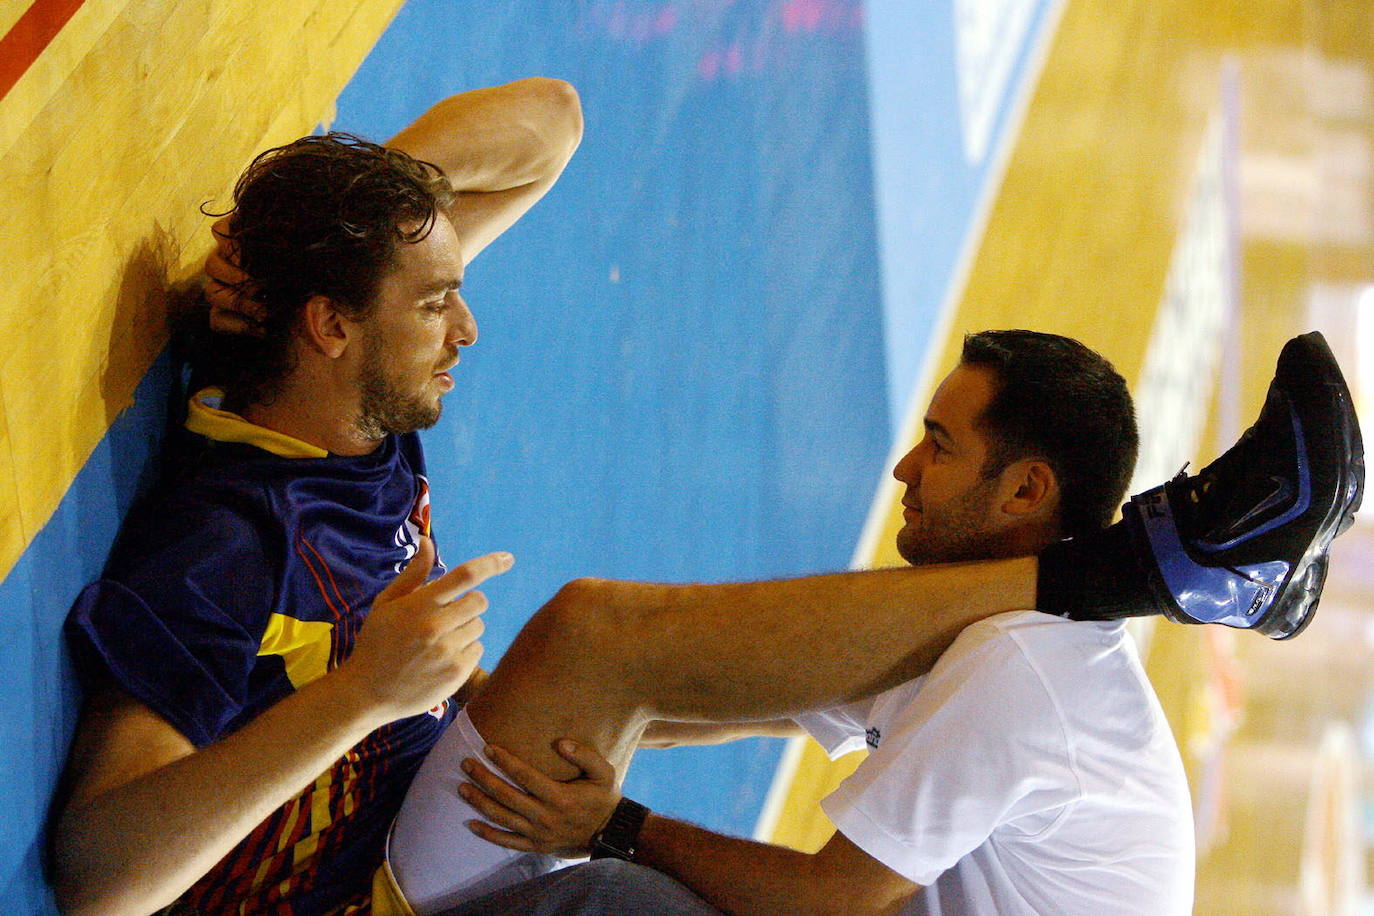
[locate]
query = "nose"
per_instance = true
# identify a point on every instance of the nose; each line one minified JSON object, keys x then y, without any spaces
{"x":462,"y":330}
{"x":908,"y":469}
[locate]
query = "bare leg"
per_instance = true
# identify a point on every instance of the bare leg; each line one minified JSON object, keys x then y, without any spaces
{"x":602,"y":659}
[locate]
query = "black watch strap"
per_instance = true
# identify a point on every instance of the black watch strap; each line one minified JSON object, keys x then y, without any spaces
{"x":619,"y":838}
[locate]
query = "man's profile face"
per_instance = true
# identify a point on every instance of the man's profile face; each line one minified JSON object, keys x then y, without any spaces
{"x":949,"y":506}
{"x":412,"y":337}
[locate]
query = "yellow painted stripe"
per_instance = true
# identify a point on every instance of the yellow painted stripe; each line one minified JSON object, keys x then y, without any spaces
{"x":133,"y":116}
{"x":10,"y":11}
{"x":12,"y":539}
{"x":800,"y":823}
{"x":1080,"y":233}
{"x":45,"y":77}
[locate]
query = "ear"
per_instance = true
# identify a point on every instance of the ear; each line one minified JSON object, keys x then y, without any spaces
{"x":1030,"y":490}
{"x":324,"y":327}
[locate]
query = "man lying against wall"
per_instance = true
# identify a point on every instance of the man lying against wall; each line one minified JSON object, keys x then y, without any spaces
{"x":1030,"y":771}
{"x":246,"y":742}
{"x":269,"y":665}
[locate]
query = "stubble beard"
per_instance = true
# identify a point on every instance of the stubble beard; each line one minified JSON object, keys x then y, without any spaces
{"x":955,"y":533}
{"x":384,"y":409}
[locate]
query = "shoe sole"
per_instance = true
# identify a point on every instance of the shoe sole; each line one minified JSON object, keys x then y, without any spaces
{"x":1304,"y":584}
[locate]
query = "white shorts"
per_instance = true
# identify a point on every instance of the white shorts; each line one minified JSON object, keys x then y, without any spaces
{"x":438,"y":863}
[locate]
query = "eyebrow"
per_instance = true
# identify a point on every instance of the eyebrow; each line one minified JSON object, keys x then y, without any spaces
{"x":443,"y":286}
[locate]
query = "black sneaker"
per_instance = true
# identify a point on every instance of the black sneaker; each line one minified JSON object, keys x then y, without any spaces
{"x":1244,"y":543}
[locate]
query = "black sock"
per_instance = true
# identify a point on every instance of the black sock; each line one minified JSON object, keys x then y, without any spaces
{"x":1098,"y":576}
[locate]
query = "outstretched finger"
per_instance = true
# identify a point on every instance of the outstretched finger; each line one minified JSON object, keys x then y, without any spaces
{"x":414,"y":574}
{"x":521,"y":773}
{"x":463,"y":634}
{"x":467,"y":576}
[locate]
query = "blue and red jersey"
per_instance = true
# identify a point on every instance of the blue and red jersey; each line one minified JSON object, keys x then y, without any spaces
{"x":241,"y":578}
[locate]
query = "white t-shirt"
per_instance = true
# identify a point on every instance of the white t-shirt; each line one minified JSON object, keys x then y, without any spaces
{"x":1031,"y":771}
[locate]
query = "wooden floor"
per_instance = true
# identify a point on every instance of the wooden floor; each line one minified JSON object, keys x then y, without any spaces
{"x":1193,"y":184}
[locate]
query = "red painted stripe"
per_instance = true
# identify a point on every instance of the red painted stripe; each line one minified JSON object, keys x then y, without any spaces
{"x":34,"y":31}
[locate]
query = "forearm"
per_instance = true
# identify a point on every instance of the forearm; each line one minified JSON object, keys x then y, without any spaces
{"x":746,"y":878}
{"x":138,"y":847}
{"x":499,"y":138}
{"x":661,"y":734}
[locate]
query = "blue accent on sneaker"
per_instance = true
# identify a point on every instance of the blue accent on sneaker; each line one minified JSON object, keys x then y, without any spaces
{"x":1233,"y":596}
{"x":1282,"y":491}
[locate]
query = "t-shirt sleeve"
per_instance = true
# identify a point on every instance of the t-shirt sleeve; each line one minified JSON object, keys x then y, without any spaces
{"x":838,"y":730}
{"x":978,"y":746}
{"x":179,"y":618}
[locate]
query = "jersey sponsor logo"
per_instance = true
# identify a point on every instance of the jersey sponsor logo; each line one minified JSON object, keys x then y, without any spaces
{"x":407,"y":536}
{"x":872,"y":737}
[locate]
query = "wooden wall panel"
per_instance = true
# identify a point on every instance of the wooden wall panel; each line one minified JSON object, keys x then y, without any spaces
{"x":133,"y":116}
{"x":1079,"y":241}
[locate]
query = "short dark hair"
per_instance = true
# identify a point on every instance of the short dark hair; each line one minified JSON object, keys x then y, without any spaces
{"x":1056,"y":400}
{"x":321,"y":216}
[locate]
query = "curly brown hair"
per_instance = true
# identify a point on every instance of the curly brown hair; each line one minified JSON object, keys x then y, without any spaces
{"x":322,"y":216}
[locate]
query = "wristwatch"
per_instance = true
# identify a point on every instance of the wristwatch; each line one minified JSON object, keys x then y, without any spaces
{"x":620,"y":837}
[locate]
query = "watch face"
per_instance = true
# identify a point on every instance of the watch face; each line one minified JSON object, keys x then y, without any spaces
{"x":617,"y":839}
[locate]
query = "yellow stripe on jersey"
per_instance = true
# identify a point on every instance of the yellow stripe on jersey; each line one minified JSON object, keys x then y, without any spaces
{"x":304,"y":646}
{"x":387,"y":899}
{"x":204,"y":416}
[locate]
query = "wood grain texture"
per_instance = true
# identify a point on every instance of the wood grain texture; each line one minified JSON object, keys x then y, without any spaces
{"x":1079,"y":241}
{"x":130,"y":119}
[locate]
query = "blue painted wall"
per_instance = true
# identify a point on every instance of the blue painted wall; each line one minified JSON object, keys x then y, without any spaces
{"x":944,"y":82}
{"x":690,"y":362}
{"x":39,"y":697}
{"x":680,"y":373}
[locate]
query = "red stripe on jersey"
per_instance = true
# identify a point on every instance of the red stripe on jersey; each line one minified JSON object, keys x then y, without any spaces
{"x":343,"y":641}
{"x":330,"y":573}
{"x":319,"y":583}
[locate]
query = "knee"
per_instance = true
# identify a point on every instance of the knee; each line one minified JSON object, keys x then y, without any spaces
{"x":603,"y":631}
{"x":575,"y":634}
{"x":586,"y":614}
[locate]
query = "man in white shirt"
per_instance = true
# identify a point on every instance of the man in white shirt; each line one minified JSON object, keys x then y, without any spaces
{"x":1030,"y":771}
